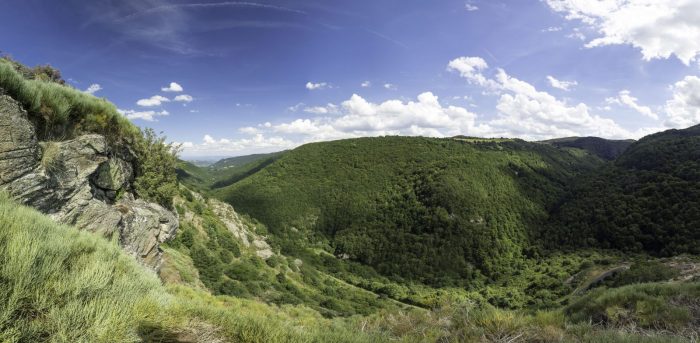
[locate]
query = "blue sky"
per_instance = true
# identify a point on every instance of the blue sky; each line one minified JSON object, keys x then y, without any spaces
{"x":256,"y":76}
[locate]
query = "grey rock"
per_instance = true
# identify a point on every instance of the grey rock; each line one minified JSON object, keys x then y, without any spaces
{"x":19,"y":153}
{"x":144,"y":227}
{"x":113,"y":174}
{"x":76,"y":182}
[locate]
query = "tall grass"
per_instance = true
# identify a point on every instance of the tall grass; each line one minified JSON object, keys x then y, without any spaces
{"x":61,"y":285}
{"x":60,"y":111}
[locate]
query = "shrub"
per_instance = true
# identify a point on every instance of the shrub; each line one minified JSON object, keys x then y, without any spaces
{"x":155,"y":173}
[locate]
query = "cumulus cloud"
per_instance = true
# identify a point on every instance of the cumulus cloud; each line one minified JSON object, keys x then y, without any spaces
{"x":471,"y":69}
{"x":526,"y":112}
{"x":366,"y":84}
{"x":249,"y":130}
{"x":143,"y":115}
{"x":390,"y":86}
{"x":223,"y":146}
{"x":357,"y":117}
{"x":625,"y":98}
{"x":328,"y":109}
{"x":155,"y":100}
{"x":683,"y":109}
{"x":173,"y":87}
{"x":659,"y":28}
{"x":471,"y":7}
{"x":183,"y":98}
{"x":316,"y":85}
{"x":563,"y":85}
{"x":93,"y":88}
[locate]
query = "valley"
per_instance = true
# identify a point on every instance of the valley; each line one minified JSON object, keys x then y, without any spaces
{"x":106,"y":236}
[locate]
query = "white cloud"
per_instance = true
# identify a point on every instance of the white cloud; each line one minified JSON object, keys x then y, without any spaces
{"x":316,"y":86}
{"x":683,"y":109}
{"x":143,"y":115}
{"x":552,"y":29}
{"x":173,"y":87}
{"x":470,"y":7}
{"x":625,"y":98}
{"x":249,"y":130}
{"x":184,"y":98}
{"x":296,"y":107}
{"x":366,"y":84}
{"x":659,"y":28}
{"x":471,"y":69}
{"x":328,"y":109}
{"x":257,"y":143}
{"x":390,"y":86}
{"x":155,"y":100}
{"x":358,"y":117}
{"x":524,"y":111}
{"x":93,"y":88}
{"x":563,"y":85}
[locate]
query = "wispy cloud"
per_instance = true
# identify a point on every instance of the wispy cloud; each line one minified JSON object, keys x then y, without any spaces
{"x":171,"y":7}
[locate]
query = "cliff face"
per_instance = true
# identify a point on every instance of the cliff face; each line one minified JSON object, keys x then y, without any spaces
{"x":80,"y":182}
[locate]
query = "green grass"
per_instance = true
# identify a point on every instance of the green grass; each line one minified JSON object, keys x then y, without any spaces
{"x":61,"y":285}
{"x":61,"y":112}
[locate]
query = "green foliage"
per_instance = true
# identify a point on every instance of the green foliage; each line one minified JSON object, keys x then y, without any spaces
{"x":60,"y":112}
{"x":641,"y":272}
{"x":155,"y":171}
{"x":49,"y":155}
{"x":61,"y":285}
{"x":670,"y":307}
{"x":646,"y":201}
{"x":604,"y":148}
{"x":439,"y":211}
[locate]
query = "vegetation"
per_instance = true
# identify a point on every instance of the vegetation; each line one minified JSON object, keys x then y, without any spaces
{"x":437,"y":211}
{"x":604,"y":148}
{"x":61,"y":285}
{"x":646,"y":201}
{"x":60,"y":112}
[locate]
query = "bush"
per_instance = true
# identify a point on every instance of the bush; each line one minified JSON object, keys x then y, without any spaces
{"x":155,"y":173}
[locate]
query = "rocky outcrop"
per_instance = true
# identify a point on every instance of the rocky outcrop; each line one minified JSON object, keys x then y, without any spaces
{"x":241,"y":231}
{"x":80,"y":182}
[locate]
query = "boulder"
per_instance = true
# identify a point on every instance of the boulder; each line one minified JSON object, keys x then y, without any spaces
{"x":76,"y":182}
{"x":19,"y":153}
{"x":113,"y":175}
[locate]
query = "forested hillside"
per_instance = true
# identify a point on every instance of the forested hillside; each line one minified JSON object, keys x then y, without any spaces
{"x":604,"y":148}
{"x":439,"y":211}
{"x":648,"y":200}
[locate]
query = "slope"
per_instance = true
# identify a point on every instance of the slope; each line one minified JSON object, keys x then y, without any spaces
{"x":606,"y":149}
{"x":439,"y":211}
{"x":647,"y":200}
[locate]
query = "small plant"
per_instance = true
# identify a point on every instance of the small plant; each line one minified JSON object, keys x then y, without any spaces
{"x":49,"y":157}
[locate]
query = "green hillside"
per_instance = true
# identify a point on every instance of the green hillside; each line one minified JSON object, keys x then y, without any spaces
{"x":224,"y":172}
{"x":647,"y":200}
{"x":606,"y":149}
{"x":439,"y":211}
{"x":243,"y":160}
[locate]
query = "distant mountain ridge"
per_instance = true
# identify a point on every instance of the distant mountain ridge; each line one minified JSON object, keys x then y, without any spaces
{"x":606,"y":149}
